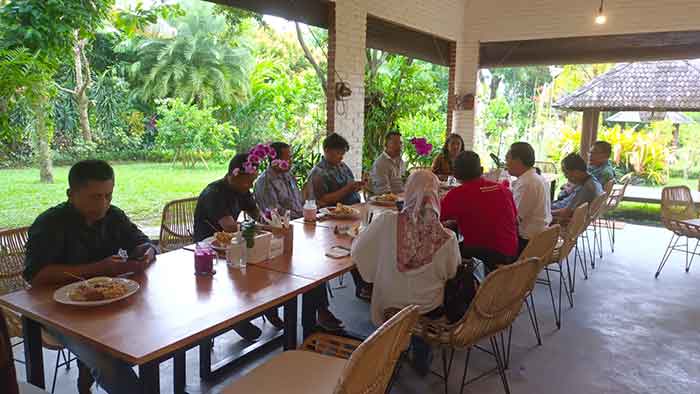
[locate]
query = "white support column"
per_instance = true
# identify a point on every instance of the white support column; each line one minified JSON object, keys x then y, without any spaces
{"x":466,"y":83}
{"x":350,"y":39}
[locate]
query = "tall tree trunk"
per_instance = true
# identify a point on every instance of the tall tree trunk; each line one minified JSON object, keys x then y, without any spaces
{"x":307,"y":53}
{"x":493,"y":88}
{"x":43,"y":141}
{"x":82,"y":82}
{"x":676,"y":136}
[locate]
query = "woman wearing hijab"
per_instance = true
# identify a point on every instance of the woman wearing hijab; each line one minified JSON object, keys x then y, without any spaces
{"x":409,"y":256}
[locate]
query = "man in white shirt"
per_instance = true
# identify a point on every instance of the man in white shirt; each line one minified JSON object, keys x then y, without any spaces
{"x":388,"y":168}
{"x":530,"y":192}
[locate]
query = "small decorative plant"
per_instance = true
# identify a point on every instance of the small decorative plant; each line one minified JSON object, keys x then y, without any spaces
{"x":420,"y":155}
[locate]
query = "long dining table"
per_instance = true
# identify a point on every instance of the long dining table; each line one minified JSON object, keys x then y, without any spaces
{"x":175,"y":310}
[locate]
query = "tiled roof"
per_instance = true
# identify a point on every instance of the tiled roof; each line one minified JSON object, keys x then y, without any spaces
{"x":640,"y":86}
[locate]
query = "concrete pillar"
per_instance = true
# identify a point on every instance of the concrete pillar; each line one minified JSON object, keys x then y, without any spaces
{"x":348,"y":42}
{"x":466,"y":78}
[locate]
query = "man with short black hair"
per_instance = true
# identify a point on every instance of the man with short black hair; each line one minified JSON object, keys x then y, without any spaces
{"x":218,"y":208}
{"x":389,"y":167}
{"x":586,"y":188}
{"x":86,"y":237}
{"x":485,"y":213}
{"x":331,"y":180}
{"x":276,"y":188}
{"x":530,"y":192}
{"x":599,"y":162}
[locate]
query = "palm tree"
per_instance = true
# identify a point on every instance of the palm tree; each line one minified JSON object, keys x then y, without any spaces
{"x":196,"y":65}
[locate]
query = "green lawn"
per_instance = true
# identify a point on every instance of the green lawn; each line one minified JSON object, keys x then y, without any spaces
{"x":141,"y":190}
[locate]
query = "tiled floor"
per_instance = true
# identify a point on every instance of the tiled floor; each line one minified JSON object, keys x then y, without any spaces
{"x":628,"y":333}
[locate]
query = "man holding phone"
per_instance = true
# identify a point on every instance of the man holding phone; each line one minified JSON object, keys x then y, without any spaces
{"x":83,"y":238}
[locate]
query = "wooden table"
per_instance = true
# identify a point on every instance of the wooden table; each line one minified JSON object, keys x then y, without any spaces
{"x":309,"y":260}
{"x":331,"y":222}
{"x":173,"y":311}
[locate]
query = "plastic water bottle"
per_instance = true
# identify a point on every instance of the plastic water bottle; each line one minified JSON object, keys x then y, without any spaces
{"x":310,"y":211}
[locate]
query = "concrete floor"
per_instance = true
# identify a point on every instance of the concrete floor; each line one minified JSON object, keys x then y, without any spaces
{"x":628,"y":333}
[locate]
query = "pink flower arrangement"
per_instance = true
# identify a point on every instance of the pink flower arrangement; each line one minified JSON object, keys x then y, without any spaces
{"x":256,"y":156}
{"x":281,"y":164}
{"x":423,"y":148}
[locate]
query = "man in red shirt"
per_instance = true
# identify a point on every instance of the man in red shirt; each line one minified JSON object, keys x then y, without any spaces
{"x":485,"y":214}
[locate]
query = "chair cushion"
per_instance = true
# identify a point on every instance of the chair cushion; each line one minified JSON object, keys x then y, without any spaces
{"x":26,"y":388}
{"x":292,"y":372}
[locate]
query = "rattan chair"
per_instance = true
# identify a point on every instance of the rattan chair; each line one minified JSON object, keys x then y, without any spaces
{"x":566,"y":246}
{"x":497,"y":303}
{"x":330,"y":364}
{"x":614,"y":199}
{"x":680,"y":216}
{"x":12,"y":249}
{"x":177,"y":224}
{"x":542,"y":246}
{"x":592,"y":224}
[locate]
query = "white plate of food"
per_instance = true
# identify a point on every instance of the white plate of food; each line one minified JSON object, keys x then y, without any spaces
{"x":96,"y":291}
{"x":220,"y":241}
{"x":341,"y":211}
{"x":386,"y":200}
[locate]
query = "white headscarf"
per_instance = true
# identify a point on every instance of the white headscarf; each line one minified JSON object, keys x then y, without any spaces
{"x":420,"y":234}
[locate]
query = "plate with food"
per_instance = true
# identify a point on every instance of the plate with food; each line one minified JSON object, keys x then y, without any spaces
{"x":341,"y":211}
{"x":220,"y":241}
{"x":387,"y":200}
{"x":96,"y":291}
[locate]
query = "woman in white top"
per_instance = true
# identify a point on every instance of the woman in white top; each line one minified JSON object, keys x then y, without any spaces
{"x":409,"y":255}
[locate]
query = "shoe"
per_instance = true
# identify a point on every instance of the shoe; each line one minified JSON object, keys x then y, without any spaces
{"x":364,"y":293}
{"x":247,"y":331}
{"x":274,"y":319}
{"x":328,"y":322}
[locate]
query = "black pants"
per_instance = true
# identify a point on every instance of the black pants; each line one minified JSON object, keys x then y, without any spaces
{"x":522,"y":244}
{"x":357,"y":278}
{"x":311,"y":302}
{"x":490,"y":257}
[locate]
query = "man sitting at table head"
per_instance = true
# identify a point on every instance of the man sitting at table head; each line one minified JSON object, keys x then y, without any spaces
{"x":276,"y":188}
{"x":530,"y":192}
{"x":599,"y":162}
{"x":389,"y":167}
{"x":585,"y":190}
{"x":331,"y":181}
{"x":82,"y":238}
{"x":485,"y":213}
{"x":218,"y":208}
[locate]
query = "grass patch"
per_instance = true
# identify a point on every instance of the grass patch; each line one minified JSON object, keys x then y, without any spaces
{"x":141,"y":190}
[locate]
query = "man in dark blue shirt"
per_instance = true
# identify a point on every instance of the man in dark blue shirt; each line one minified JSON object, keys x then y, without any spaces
{"x":218,"y":208}
{"x":331,"y":180}
{"x":82,"y":238}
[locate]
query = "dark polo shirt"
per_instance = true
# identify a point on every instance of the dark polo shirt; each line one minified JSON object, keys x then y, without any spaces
{"x":216,"y":201}
{"x":61,"y":236}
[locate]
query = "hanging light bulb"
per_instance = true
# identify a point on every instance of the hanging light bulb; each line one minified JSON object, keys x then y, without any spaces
{"x":601,"y":18}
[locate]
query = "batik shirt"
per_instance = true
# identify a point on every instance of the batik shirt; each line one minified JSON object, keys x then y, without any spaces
{"x":279,"y":190}
{"x":326,"y":178}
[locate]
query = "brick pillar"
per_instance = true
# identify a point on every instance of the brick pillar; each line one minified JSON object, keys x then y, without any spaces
{"x":330,"y":78}
{"x":349,"y":59}
{"x":452,"y":58}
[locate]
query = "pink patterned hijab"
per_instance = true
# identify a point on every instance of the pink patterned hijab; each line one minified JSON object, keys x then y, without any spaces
{"x":420,"y":234}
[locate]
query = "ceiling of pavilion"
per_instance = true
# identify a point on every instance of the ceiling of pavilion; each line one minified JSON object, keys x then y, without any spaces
{"x":381,"y":34}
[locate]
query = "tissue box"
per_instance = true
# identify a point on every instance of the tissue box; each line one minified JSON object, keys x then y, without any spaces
{"x":261,"y":250}
{"x":286,"y":233}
